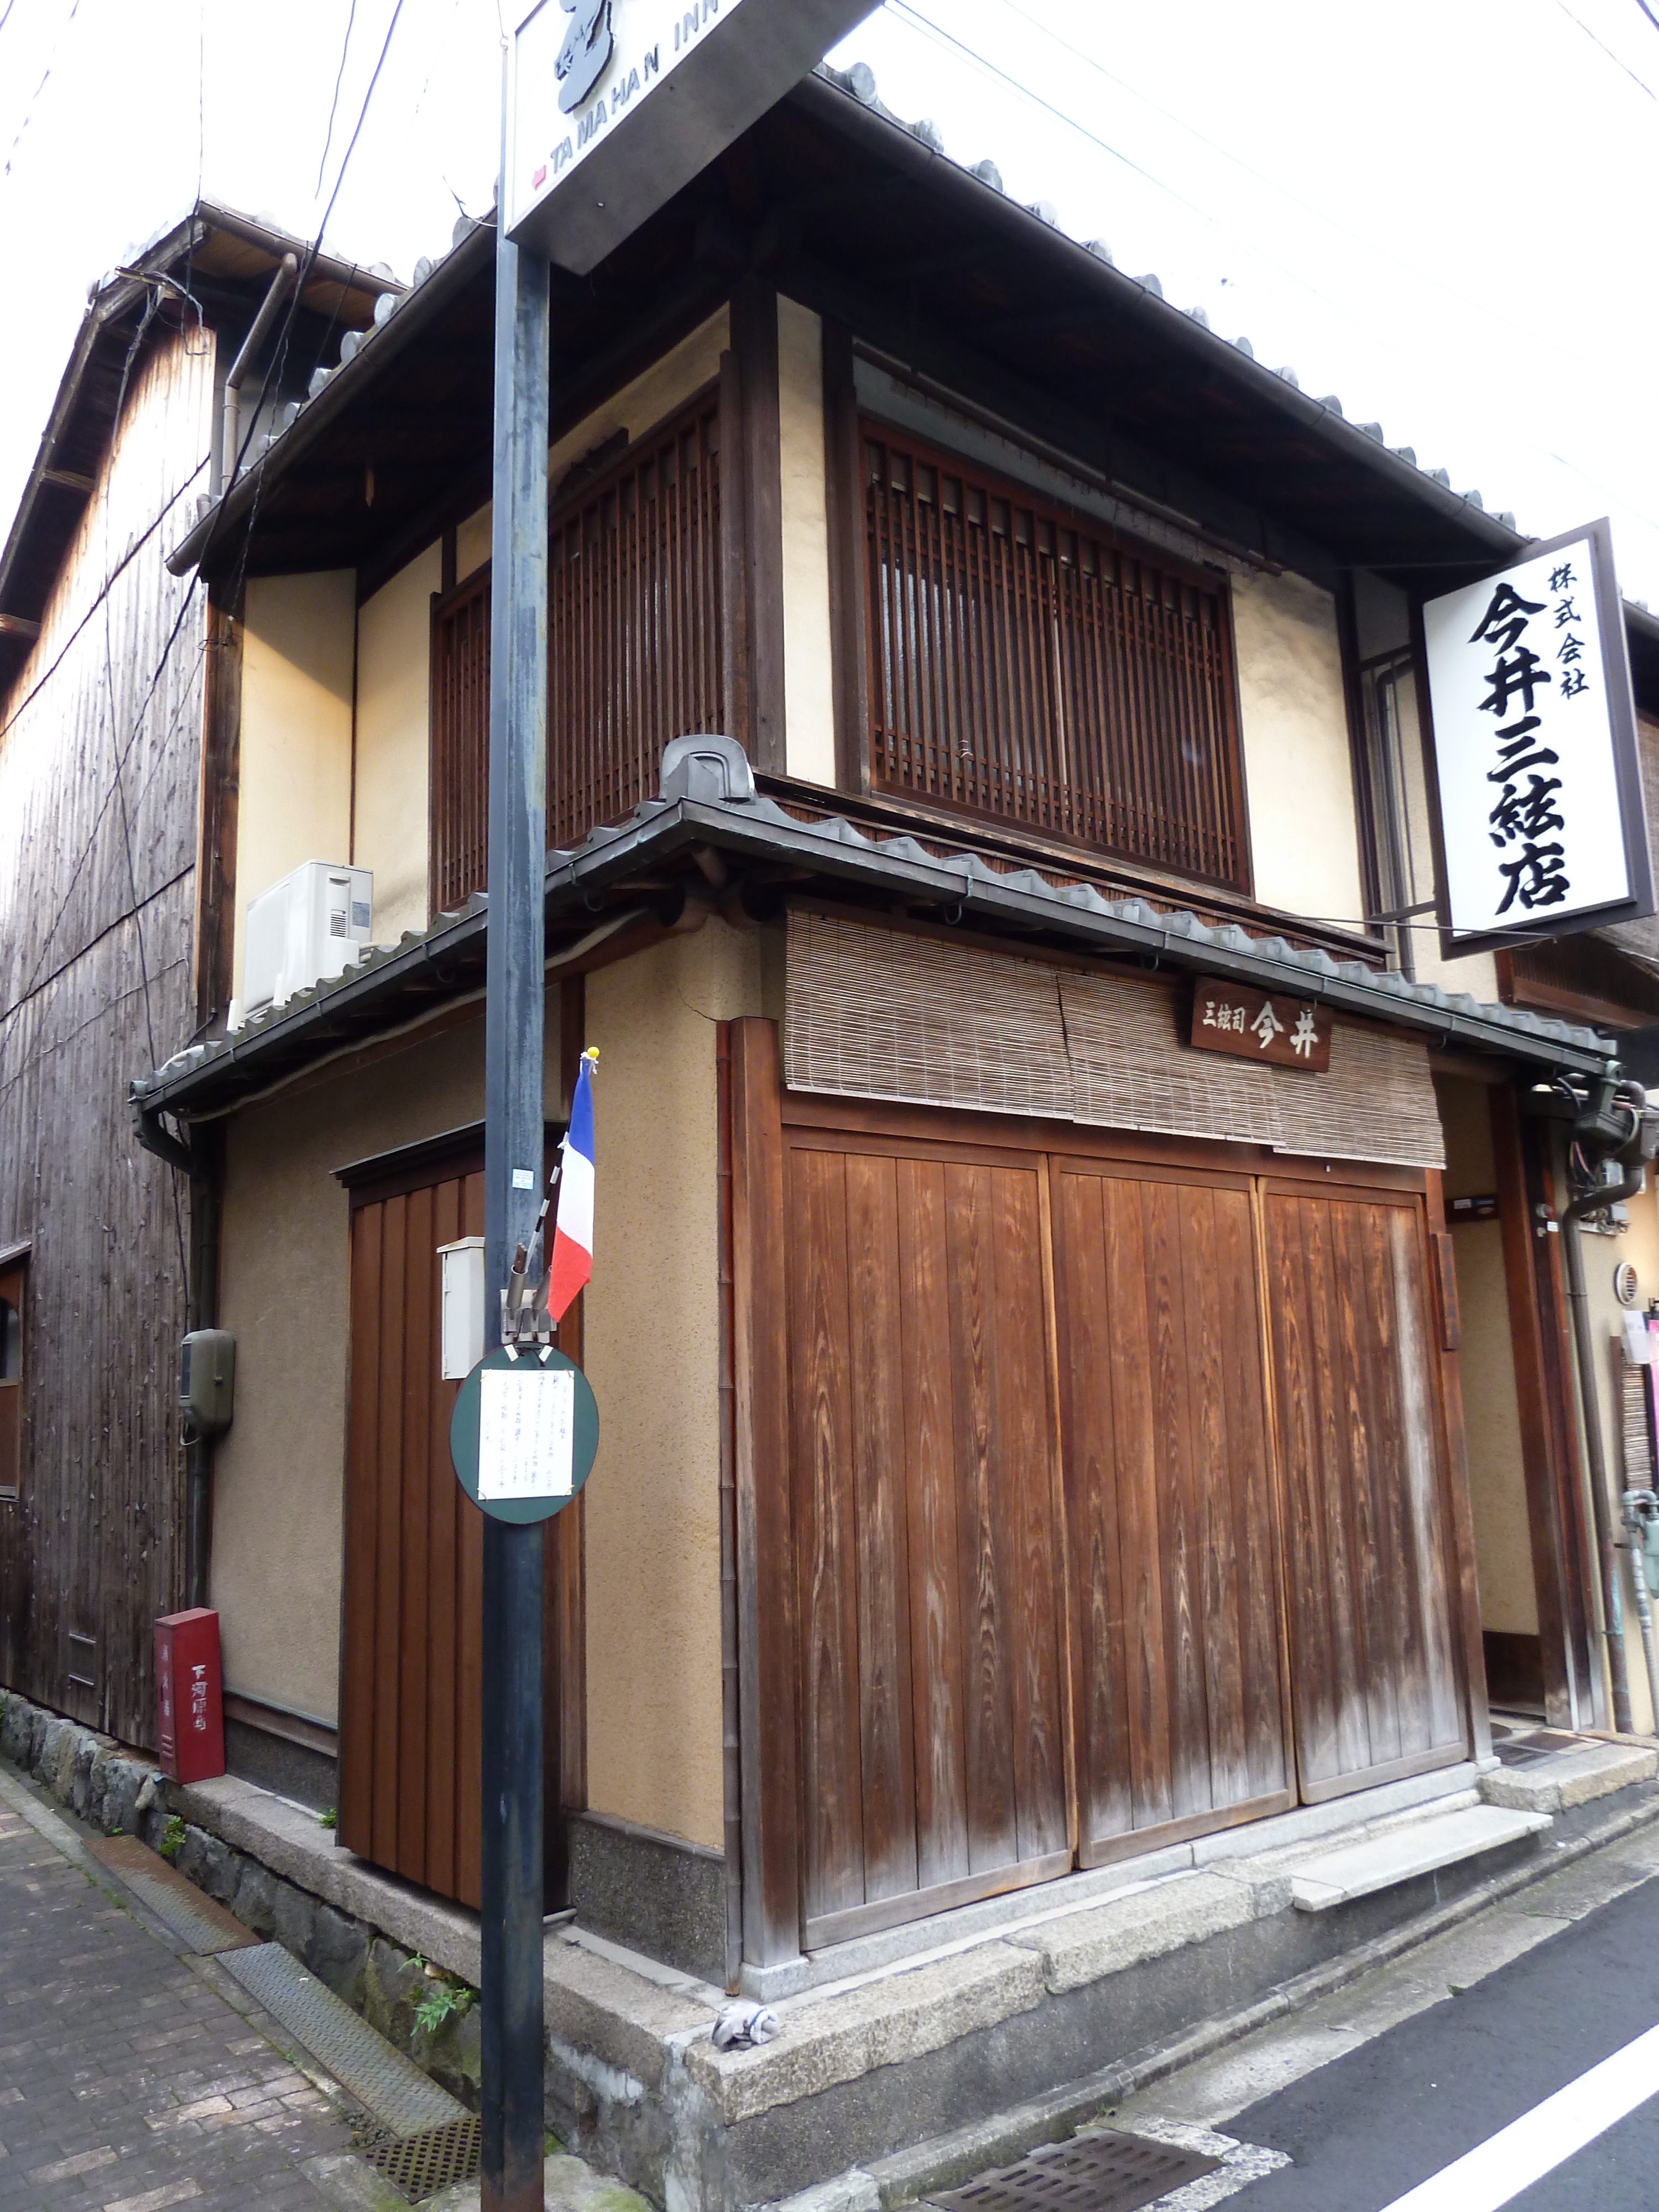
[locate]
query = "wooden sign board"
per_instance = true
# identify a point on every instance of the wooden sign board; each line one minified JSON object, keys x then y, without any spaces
{"x":1250,"y":1024}
{"x":612,"y":105}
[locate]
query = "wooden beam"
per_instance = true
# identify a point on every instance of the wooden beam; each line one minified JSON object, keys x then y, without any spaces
{"x":844,"y":504}
{"x":19,"y":626}
{"x":760,"y":574}
{"x":766,"y":1665}
{"x":69,"y":480}
{"x":1464,"y":1589}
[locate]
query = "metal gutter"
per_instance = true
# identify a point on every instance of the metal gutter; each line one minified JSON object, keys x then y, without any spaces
{"x":1015,"y":904}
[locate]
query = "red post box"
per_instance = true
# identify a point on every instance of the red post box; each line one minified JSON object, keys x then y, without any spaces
{"x":191,"y":1728}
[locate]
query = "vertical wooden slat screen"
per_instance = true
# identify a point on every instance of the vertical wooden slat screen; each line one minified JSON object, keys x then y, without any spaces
{"x":1024,"y":663}
{"x":460,"y":743}
{"x":633,"y":624}
{"x":635,"y":651}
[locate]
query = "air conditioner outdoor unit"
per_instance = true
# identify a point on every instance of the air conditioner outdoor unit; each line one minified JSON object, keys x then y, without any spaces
{"x":309,"y":926}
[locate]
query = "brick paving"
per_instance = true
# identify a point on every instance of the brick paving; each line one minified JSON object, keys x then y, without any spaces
{"x":127,"y":2083}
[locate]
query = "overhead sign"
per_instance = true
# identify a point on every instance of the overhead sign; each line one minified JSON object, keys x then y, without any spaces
{"x":1542,"y":826}
{"x":1233,"y":1018}
{"x":613,"y":104}
{"x":524,"y":1433}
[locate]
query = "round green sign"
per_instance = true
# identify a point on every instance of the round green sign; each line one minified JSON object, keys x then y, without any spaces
{"x":524,"y":1433}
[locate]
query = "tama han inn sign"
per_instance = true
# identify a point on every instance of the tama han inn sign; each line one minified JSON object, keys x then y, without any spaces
{"x":613,"y":104}
{"x":1542,"y":825}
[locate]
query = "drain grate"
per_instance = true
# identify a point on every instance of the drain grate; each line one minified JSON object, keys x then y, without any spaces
{"x":422,"y":2165}
{"x":1100,"y":2172}
{"x":194,"y":1918}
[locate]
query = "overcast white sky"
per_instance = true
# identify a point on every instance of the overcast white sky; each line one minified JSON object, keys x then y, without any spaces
{"x":1440,"y":209}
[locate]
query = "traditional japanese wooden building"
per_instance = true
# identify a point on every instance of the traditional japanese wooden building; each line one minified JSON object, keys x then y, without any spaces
{"x":1032,"y":1437}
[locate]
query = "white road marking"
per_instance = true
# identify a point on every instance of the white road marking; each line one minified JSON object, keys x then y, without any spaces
{"x":1499,"y":2169}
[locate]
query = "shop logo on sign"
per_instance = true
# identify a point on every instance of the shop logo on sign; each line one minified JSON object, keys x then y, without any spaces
{"x":586,"y":53}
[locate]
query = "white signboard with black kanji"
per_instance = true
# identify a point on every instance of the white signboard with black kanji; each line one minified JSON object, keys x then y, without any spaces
{"x":1543,"y":829}
{"x":613,"y":104}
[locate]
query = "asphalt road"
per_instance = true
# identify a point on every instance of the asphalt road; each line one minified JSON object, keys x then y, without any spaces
{"x":1373,"y":2125}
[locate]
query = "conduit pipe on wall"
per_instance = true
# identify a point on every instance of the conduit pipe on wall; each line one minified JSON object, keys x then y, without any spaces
{"x":230,"y":426}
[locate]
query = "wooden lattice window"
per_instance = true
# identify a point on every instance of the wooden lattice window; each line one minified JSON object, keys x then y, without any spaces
{"x":460,"y":743}
{"x":1025,"y":663}
{"x":633,"y":637}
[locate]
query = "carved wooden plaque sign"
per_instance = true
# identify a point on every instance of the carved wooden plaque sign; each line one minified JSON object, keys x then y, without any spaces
{"x":1236,"y":1018}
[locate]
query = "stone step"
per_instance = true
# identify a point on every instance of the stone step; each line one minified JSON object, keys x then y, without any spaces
{"x":1399,"y":1854}
{"x":1566,"y":1778}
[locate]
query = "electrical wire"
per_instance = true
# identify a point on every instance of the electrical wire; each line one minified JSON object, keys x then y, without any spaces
{"x":28,"y":112}
{"x":1641,"y":4}
{"x":333,"y":106}
{"x":902,"y":10}
{"x":1606,"y":48}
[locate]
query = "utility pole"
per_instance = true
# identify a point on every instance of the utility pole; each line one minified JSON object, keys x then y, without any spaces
{"x":510,"y":1993}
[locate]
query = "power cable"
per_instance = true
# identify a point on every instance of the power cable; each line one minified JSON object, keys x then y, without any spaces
{"x":28,"y":112}
{"x":1606,"y":49}
{"x":333,"y":106}
{"x":903,"y":10}
{"x":1641,"y":4}
{"x":1511,"y":329}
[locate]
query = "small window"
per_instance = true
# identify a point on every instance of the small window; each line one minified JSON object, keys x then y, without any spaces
{"x":11,"y":1342}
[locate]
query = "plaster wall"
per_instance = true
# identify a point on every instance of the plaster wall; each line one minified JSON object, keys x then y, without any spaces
{"x":394,"y":682}
{"x":637,"y":408}
{"x":1298,"y":772}
{"x":1475,"y":972}
{"x":1492,"y":1411}
{"x":295,"y":770}
{"x":279,"y":1471}
{"x":808,"y":698}
{"x":651,"y":1350}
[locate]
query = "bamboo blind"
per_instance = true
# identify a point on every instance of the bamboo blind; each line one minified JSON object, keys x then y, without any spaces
{"x":633,"y":621}
{"x":874,"y":1013}
{"x":1025,"y":664}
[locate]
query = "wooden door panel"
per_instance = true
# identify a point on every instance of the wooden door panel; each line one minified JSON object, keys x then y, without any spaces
{"x":930,"y":1682}
{"x":1376,"y":1690}
{"x":1174,"y":1555}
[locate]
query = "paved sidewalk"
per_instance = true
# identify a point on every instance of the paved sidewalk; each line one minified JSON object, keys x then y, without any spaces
{"x":128,"y":2081}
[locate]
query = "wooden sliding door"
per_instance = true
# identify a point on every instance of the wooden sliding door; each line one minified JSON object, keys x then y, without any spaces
{"x":1377,"y":1689}
{"x":928,"y":1577}
{"x":1178,"y":1676}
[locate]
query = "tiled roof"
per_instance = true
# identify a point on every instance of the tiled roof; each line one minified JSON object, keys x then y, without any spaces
{"x":965,"y":885}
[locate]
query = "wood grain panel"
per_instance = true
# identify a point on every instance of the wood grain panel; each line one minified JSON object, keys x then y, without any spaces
{"x":1377,"y":1689}
{"x":931,"y":1676}
{"x":1170,"y":1500}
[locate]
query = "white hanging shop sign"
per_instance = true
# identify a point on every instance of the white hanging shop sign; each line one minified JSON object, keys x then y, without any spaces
{"x":1542,"y":826}
{"x":613,"y":104}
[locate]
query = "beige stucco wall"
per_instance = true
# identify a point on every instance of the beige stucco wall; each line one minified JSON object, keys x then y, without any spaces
{"x":1296,"y":766}
{"x":637,"y":408}
{"x":394,"y":668}
{"x":808,"y":699}
{"x":1475,"y":972}
{"x":295,"y":759}
{"x":1491,"y":1409}
{"x":651,"y":1353}
{"x":279,"y":1472}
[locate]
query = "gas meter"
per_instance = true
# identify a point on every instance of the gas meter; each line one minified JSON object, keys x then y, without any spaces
{"x":207,"y":1380}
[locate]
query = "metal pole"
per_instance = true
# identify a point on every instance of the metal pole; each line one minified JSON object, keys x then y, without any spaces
{"x":511,"y":1996}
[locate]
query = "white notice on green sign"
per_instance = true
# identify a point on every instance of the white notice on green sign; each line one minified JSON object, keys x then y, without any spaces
{"x":527,"y":1423}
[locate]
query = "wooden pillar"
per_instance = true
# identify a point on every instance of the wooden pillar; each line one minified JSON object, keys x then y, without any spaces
{"x":766,"y":1609}
{"x":1465,"y":1584}
{"x":844,"y":508}
{"x":751,"y":526}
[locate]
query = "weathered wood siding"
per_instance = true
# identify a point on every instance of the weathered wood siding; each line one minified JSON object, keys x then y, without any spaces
{"x":100,"y":754}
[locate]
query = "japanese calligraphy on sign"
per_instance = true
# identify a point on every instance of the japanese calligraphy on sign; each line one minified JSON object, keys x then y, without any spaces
{"x":1541,"y":800}
{"x":1250,"y":1025}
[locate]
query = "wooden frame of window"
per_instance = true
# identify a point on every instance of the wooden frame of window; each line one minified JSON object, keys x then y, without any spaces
{"x":1027,"y":663}
{"x":13,"y":1349}
{"x":637,"y":651}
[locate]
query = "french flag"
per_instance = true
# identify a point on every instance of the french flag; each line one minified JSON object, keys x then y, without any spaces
{"x":572,"y":1262}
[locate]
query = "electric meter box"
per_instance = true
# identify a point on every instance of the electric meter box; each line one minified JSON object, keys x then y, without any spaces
{"x":207,"y":1379}
{"x":306,"y":929}
{"x":462,"y":1336}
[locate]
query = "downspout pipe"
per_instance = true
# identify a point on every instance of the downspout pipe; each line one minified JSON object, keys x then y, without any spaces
{"x":197,"y":1159}
{"x":230,"y":424}
{"x":1597,"y":1200}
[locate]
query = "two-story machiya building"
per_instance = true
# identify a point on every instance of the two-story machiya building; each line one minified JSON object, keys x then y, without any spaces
{"x":1048,"y":1419}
